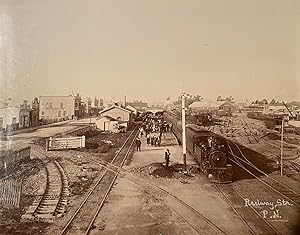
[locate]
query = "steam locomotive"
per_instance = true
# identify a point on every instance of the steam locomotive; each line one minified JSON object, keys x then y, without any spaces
{"x":210,"y":150}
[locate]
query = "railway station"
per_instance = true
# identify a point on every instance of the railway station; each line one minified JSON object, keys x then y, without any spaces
{"x":149,"y":117}
{"x":74,"y":178}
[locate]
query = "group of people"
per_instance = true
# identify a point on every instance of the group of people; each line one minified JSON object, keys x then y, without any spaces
{"x":155,"y":124}
{"x":153,"y":139}
{"x":153,"y":128}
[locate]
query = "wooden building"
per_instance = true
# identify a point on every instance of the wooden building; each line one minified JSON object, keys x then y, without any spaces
{"x":228,"y":107}
{"x":107,"y":123}
{"x":118,"y":113}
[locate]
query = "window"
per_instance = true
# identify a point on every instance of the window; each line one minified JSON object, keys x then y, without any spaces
{"x":62,"y":105}
{"x":50,"y":105}
{"x":59,"y":114}
{"x":14,"y":120}
{"x":43,"y":113}
{"x":1,"y":122}
{"x":65,"y":113}
{"x":47,"y":105}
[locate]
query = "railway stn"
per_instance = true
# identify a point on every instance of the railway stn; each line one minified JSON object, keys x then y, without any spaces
{"x":135,"y":117}
{"x":107,"y":187}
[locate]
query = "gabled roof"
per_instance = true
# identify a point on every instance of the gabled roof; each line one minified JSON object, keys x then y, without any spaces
{"x":113,"y":107}
{"x":231,"y":104}
{"x":204,"y":104}
{"x":138,"y":104}
{"x":110,"y":118}
{"x":130,"y":107}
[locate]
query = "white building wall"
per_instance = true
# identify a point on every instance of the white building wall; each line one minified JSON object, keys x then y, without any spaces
{"x":8,"y":115}
{"x":106,"y":124}
{"x":57,"y":107}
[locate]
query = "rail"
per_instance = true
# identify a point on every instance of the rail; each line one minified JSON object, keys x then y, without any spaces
{"x":99,"y":187}
{"x":274,"y":184}
{"x":154,"y":190}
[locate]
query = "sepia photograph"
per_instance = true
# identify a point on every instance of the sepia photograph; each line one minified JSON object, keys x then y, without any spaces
{"x":149,"y":117}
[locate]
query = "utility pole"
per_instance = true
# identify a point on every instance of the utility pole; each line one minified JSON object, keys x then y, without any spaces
{"x":183,"y":132}
{"x":281,"y":155}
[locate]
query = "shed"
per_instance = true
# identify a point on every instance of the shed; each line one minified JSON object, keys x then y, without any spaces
{"x":204,"y":106}
{"x":118,"y":113}
{"x":106,"y":123}
{"x":228,"y":107}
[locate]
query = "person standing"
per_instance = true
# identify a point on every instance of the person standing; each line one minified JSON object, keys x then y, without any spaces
{"x":148,"y":139}
{"x":141,"y":132}
{"x":158,"y":140}
{"x":138,"y":144}
{"x":155,"y":140}
{"x":167,"y":157}
{"x":152,"y":139}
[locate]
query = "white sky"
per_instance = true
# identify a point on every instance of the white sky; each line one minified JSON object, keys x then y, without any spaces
{"x":150,"y":49}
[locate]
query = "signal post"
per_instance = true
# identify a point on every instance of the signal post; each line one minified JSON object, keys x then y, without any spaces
{"x":183,"y":132}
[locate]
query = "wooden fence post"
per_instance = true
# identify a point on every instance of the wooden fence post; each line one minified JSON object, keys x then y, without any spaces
{"x":83,"y":141}
{"x":49,"y":143}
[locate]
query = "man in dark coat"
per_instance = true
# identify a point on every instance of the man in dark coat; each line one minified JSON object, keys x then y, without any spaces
{"x":167,"y":157}
{"x":138,"y":144}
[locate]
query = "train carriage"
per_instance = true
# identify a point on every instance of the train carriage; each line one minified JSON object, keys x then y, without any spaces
{"x":208,"y":149}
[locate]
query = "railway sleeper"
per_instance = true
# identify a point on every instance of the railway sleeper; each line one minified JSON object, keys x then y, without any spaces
{"x":51,"y":197}
{"x":49,"y":210}
{"x":49,"y":203}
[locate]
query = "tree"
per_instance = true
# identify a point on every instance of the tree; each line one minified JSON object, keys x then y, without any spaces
{"x":189,"y":99}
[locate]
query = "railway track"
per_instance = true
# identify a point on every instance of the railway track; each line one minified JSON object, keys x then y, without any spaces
{"x":193,"y":218}
{"x":83,"y":219}
{"x":295,"y":165}
{"x":255,"y":222}
{"x":199,"y":223}
{"x":53,"y":202}
{"x":277,"y":186}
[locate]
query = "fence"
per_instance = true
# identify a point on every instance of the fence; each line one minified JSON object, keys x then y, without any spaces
{"x":10,"y":191}
{"x":65,"y":143}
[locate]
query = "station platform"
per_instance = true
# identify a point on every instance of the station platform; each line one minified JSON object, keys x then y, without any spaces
{"x":154,"y":154}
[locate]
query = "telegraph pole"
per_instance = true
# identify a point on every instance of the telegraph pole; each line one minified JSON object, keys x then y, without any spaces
{"x":183,"y":132}
{"x":281,"y":152}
